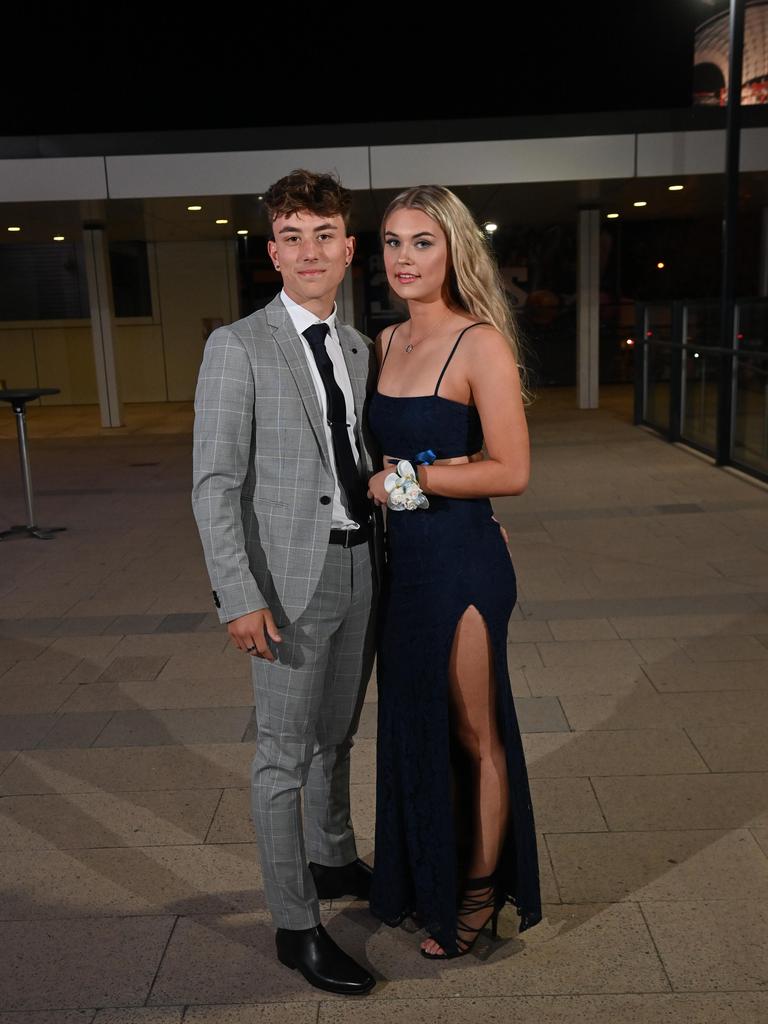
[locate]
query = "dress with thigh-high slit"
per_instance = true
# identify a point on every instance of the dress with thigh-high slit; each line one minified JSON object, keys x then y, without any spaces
{"x":440,"y":561}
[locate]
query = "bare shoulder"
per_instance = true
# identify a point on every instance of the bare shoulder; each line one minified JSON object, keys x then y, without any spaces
{"x":488,"y":349}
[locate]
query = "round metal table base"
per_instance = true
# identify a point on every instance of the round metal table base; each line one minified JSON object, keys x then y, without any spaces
{"x":40,"y":532}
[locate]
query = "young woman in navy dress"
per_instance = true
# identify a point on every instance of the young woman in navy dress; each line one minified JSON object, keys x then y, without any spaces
{"x":455,"y":835}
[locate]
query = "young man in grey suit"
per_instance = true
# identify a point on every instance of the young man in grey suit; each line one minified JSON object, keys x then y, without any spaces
{"x":282,"y":455}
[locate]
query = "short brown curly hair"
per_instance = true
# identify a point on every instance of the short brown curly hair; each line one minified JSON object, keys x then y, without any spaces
{"x":322,"y":194}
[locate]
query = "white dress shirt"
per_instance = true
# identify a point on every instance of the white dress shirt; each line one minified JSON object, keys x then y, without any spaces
{"x":302,"y":319}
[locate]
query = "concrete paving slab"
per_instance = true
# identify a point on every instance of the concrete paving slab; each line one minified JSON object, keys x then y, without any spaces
{"x":32,"y":698}
{"x":648,"y":1008}
{"x":82,"y":820}
{"x":176,"y":693}
{"x":712,"y":945}
{"x":581,"y":629}
{"x":652,"y":710}
{"x":133,"y":668}
{"x":297,"y":1012}
{"x":14,"y":649}
{"x":566,"y":805}
{"x":232,"y":822}
{"x":724,"y":675}
{"x":171,"y":643}
{"x":182,"y":726}
{"x":528,"y":631}
{"x":665,"y":865}
{"x":141,"y":881}
{"x":725,"y":648}
{"x":601,"y":653}
{"x":568,"y":679}
{"x":67,"y":964}
{"x":748,"y":623}
{"x":200,"y":665}
{"x":48,"y":1017}
{"x":617,"y":752}
{"x":140,"y":1015}
{"x":125,"y":769}
{"x":48,"y":667}
{"x":540,"y":714}
{"x":21,"y":732}
{"x":75,"y":730}
{"x":736,"y":800}
{"x":732,"y":748}
{"x":523,"y":656}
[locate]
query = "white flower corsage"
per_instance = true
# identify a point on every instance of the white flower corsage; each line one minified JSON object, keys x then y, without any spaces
{"x":403,"y":491}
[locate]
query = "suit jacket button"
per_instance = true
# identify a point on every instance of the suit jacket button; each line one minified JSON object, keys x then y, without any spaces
{"x":325,"y":500}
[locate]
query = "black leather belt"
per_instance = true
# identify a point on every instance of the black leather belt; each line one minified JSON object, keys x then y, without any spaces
{"x":349,"y":538}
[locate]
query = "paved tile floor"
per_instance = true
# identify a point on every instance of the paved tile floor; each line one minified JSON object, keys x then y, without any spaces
{"x":639,"y":654}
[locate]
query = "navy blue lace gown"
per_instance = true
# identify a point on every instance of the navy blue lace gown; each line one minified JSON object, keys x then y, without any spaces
{"x":440,"y":561}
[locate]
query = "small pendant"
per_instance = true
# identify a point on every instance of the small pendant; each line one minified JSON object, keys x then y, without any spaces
{"x":409,"y":348}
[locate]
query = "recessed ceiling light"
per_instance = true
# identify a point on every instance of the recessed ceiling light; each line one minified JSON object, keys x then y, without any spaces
{"x":660,"y":265}
{"x":640,"y":202}
{"x":675,"y":188}
{"x":14,"y":229}
{"x":58,"y":238}
{"x":611,"y":216}
{"x":243,"y":231}
{"x":194,"y":209}
{"x":490,"y":227}
{"x":222,"y":220}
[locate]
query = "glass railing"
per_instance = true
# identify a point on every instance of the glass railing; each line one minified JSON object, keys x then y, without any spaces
{"x":750,"y":417}
{"x":684,"y":375}
{"x":700,"y":323}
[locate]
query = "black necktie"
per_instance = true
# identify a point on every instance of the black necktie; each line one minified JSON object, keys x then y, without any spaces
{"x":350,"y":481}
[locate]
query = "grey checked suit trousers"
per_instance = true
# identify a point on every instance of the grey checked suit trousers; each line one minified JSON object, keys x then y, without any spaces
{"x":262,"y":482}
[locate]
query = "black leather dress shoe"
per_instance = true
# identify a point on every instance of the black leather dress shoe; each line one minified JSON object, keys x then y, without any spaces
{"x":313,"y":952}
{"x":348,"y":880}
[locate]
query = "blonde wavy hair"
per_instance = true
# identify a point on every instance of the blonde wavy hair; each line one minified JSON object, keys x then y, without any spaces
{"x":474,"y":281}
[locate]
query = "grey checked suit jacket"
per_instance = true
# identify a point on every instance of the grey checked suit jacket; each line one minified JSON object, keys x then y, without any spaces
{"x":261,"y":471}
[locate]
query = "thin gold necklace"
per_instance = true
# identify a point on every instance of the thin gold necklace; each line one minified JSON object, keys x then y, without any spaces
{"x":409,"y":347}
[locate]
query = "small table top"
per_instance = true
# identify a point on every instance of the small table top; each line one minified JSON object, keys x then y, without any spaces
{"x":18,"y":397}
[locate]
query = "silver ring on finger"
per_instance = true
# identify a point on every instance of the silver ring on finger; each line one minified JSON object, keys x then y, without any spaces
{"x":249,"y":649}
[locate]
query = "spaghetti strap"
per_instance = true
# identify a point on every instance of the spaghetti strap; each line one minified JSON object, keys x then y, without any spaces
{"x":450,"y":357}
{"x":389,"y":343}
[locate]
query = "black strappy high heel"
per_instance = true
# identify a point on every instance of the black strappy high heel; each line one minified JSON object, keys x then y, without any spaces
{"x":470,"y":905}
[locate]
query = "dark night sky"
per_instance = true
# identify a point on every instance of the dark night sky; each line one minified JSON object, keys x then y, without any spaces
{"x":121,"y":68}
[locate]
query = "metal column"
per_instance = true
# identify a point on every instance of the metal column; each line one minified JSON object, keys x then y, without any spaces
{"x":727,"y":297}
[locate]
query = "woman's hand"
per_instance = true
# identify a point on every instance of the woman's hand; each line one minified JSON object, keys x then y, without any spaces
{"x":376,"y":487}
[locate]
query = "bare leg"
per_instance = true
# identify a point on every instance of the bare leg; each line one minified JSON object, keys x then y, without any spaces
{"x":473,"y":712}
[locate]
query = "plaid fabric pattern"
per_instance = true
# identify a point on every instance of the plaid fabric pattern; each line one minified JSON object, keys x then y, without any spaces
{"x":308,"y":706}
{"x":261,"y":463}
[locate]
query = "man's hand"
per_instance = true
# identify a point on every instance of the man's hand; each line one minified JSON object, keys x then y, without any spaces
{"x":249,"y":633}
{"x":376,"y":487}
{"x":504,"y":534}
